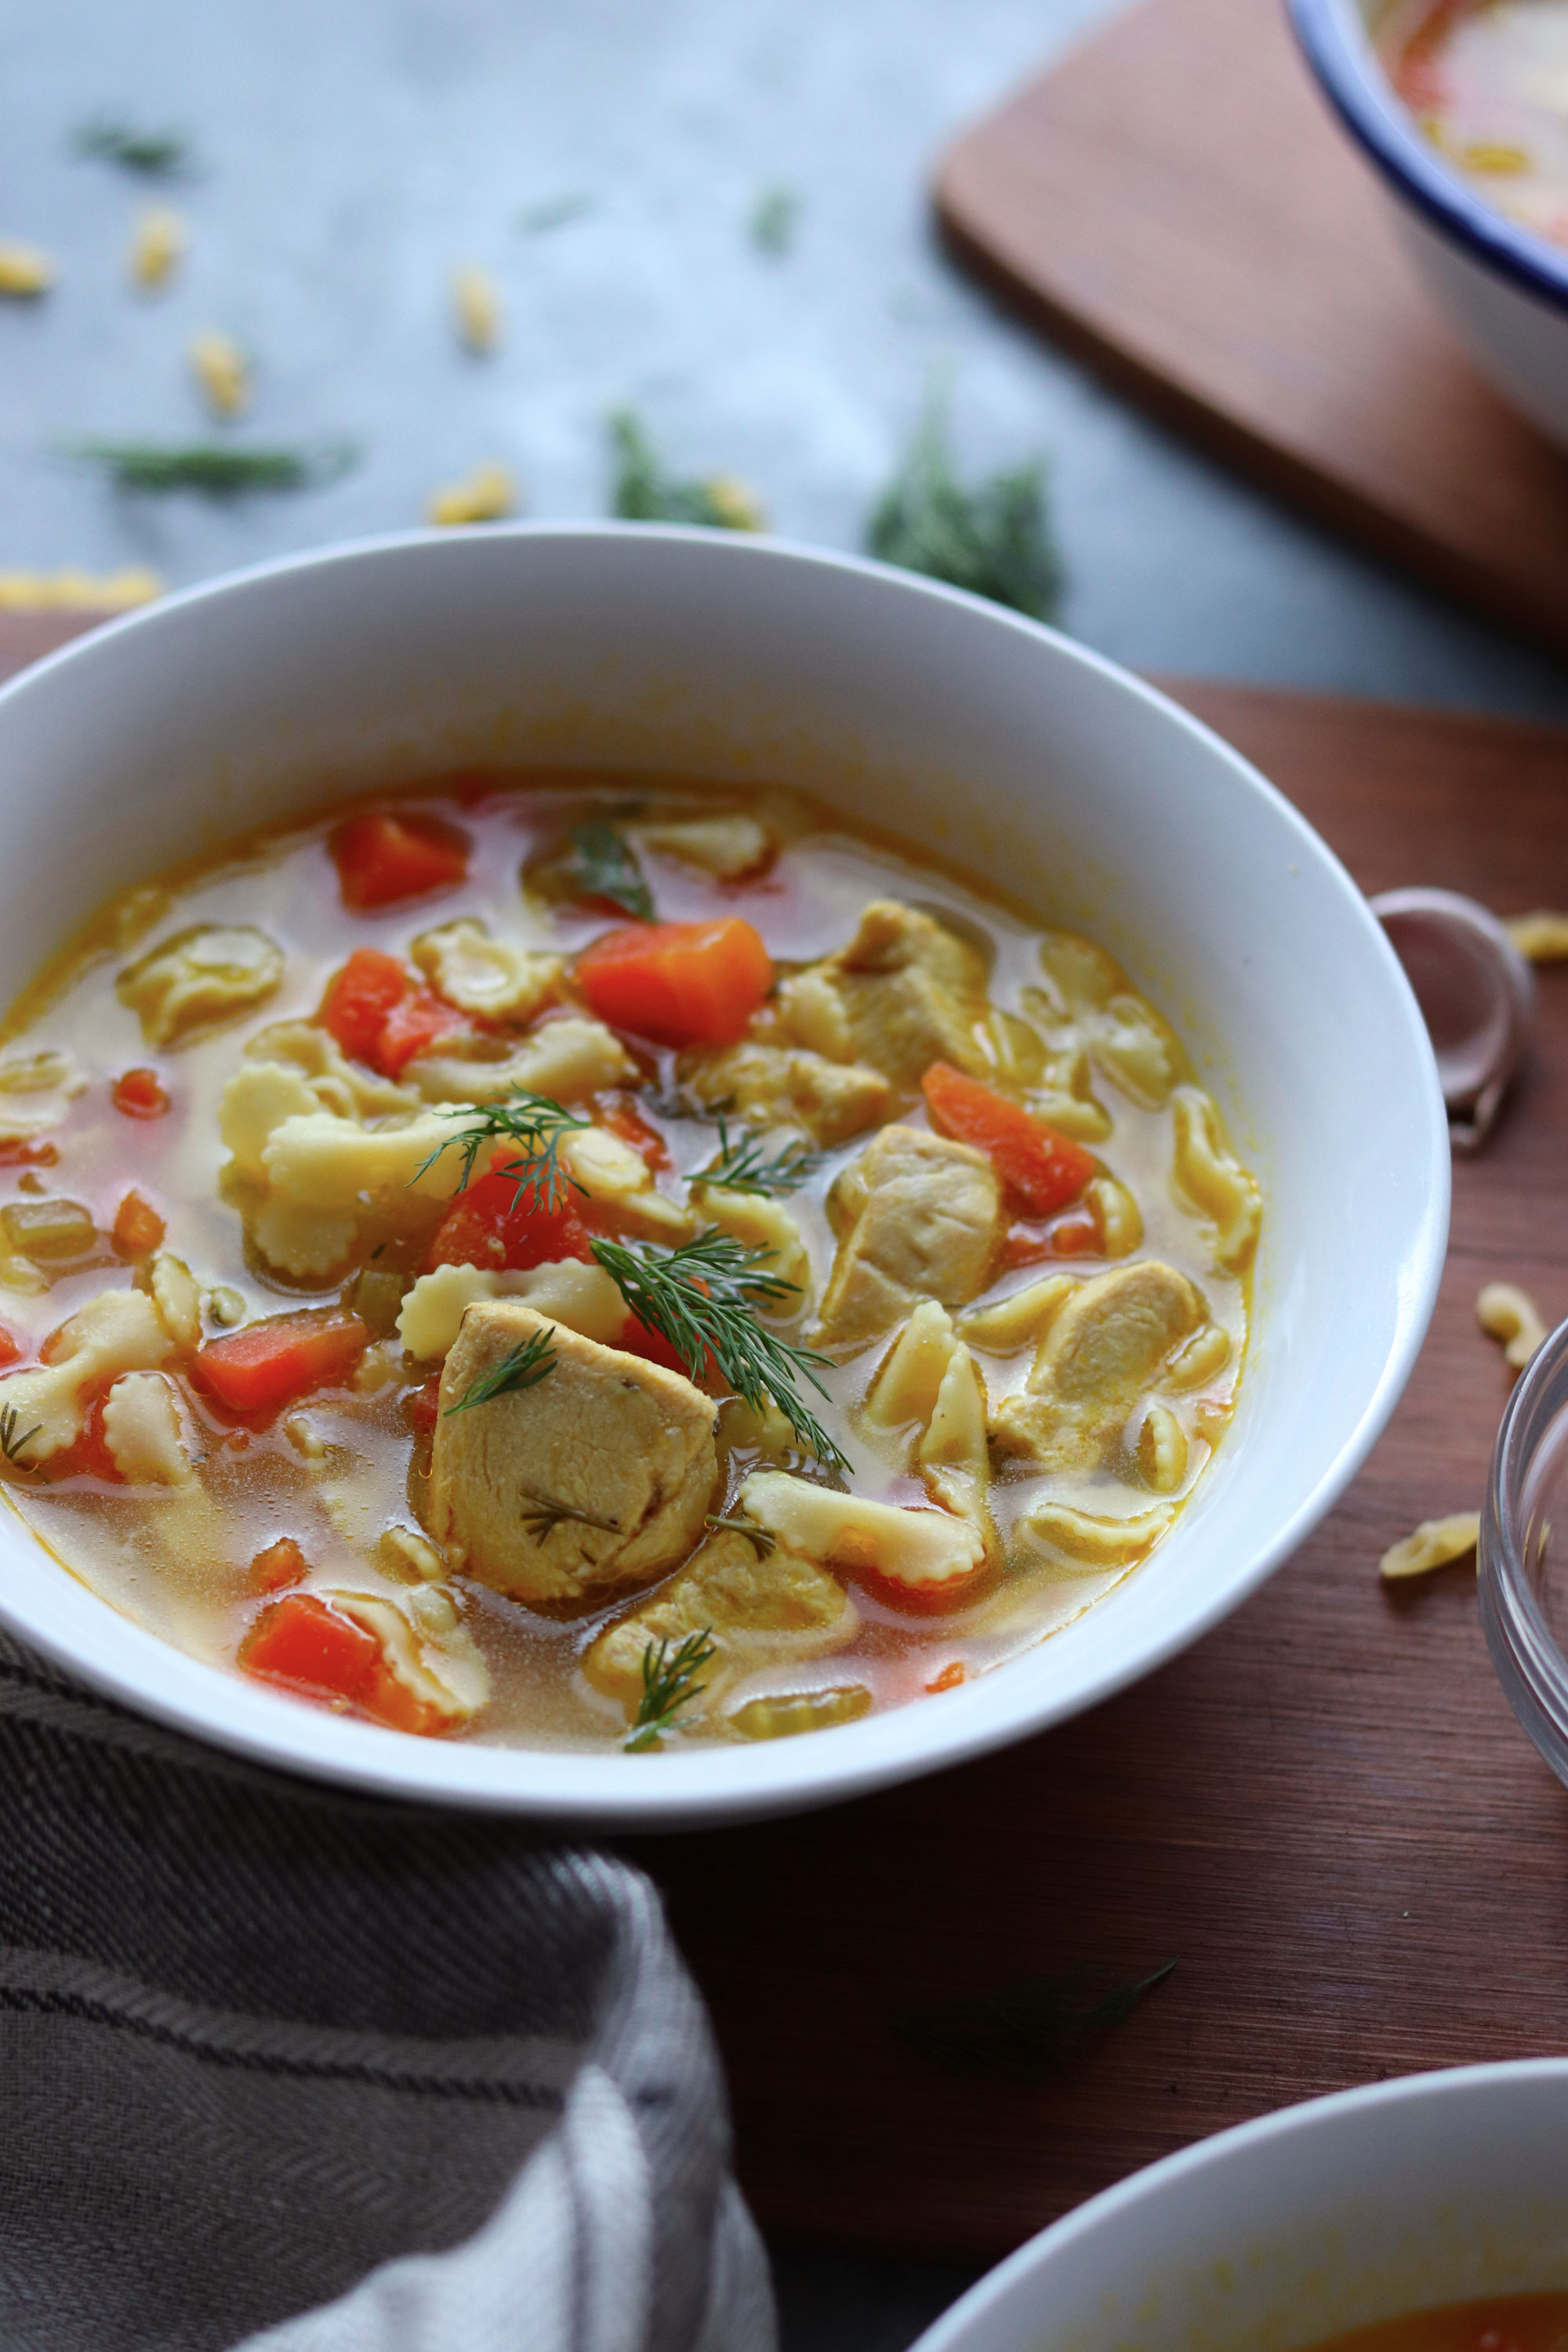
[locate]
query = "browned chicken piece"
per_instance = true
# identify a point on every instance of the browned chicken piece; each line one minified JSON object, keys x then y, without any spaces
{"x":773,"y":1084}
{"x":922,"y":1220}
{"x":759,"y":1607}
{"x":596,"y":1476}
{"x":1103,"y":1349}
{"x":904,"y":993}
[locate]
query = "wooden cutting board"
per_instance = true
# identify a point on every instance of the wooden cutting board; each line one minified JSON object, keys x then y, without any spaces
{"x":1325,"y":1813}
{"x":1175,"y":203}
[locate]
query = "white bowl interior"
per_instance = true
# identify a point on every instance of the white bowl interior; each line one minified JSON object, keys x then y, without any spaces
{"x":1432,"y":2190}
{"x":1025,"y":758}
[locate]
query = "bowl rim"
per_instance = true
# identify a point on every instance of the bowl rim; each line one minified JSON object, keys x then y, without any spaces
{"x":570,"y":1787}
{"x":1333,"y":38}
{"x":951,"y":2332}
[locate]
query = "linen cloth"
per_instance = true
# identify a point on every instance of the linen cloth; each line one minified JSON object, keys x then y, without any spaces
{"x":295,"y":2070}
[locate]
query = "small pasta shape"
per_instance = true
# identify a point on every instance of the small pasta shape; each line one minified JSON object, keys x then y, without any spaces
{"x":1117,"y":1214}
{"x":1207,"y":1174}
{"x":1097,"y":1542}
{"x":1506,"y":1312}
{"x":1432,"y":1544}
{"x":1162,"y":1451}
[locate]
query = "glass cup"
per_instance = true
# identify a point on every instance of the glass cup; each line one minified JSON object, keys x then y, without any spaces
{"x":1522,"y":1558}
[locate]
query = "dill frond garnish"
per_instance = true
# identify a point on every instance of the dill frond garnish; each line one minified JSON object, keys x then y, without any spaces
{"x":12,"y":1439}
{"x":755,"y":1535}
{"x":668,"y":1684}
{"x":704,"y":1298}
{"x":156,"y":154}
{"x":994,"y":540}
{"x":536,"y":1121}
{"x":548,"y":1515}
{"x":644,"y":493}
{"x":522,"y":1367}
{"x":773,"y":221}
{"x":741,"y":1168}
{"x":552,"y":211}
{"x":602,"y":866}
{"x":213,"y":469}
{"x":1034,"y":2030}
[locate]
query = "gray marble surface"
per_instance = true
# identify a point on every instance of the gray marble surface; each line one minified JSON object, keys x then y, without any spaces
{"x":352,"y":154}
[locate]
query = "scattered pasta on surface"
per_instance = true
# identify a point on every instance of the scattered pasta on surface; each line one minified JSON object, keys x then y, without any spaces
{"x":1434,"y":1544}
{"x":26,"y":271}
{"x":221,"y":370}
{"x":487,"y":495}
{"x":1541,"y":936}
{"x":70,"y":589}
{"x":1506,"y":1312}
{"x":158,"y":245}
{"x":475,"y":309}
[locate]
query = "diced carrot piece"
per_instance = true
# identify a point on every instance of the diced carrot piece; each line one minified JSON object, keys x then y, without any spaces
{"x":1042,"y":1170}
{"x":138,"y":1228}
{"x":305,"y":1645}
{"x":491,"y":1224}
{"x":422,"y":1406}
{"x":383,"y":858}
{"x":359,"y":997}
{"x":638,"y":1338}
{"x":267,"y":1365}
{"x":677,"y":983}
{"x":140,"y":1095}
{"x":950,"y":1676}
{"x":10,"y":1348}
{"x":16,"y":1152}
{"x":282,"y":1564}
{"x":623,"y":1118}
{"x":415,"y":1023}
{"x":88,"y":1456}
{"x":1076,"y":1237}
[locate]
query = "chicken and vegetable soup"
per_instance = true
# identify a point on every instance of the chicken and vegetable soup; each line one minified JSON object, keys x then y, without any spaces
{"x":1486,"y":81}
{"x":583,"y":1262}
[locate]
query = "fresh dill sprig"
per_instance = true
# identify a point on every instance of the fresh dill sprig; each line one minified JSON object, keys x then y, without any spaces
{"x":548,"y":1515}
{"x":741,"y":1168}
{"x":602,"y":866}
{"x":213,"y":469}
{"x":12,"y":1440}
{"x":668,"y":1684}
{"x":552,"y":211}
{"x":758,"y":1536}
{"x":536,"y":1121}
{"x":1034,"y":2030}
{"x":522,"y":1367}
{"x":704,"y":1298}
{"x":773,"y":221}
{"x":644,"y":493}
{"x":156,"y":154}
{"x":994,"y":540}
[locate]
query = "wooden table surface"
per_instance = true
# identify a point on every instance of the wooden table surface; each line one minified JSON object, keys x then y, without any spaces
{"x":1175,"y":201}
{"x":1325,"y":1812}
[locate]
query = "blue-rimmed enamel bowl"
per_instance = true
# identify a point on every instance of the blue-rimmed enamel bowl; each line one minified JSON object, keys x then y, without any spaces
{"x":1503,"y":290}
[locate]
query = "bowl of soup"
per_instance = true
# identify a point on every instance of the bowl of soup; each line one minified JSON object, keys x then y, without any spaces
{"x":1426,"y":2214}
{"x":646,"y":1175}
{"x":1462,"y":108}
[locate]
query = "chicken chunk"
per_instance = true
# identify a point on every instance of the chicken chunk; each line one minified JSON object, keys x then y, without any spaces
{"x":784,"y":1084}
{"x":925,"y":1222}
{"x":759,"y":1603}
{"x":904,"y":993}
{"x":596,"y":1476}
{"x":1101,"y":1352}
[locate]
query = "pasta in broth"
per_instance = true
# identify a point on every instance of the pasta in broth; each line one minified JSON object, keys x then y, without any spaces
{"x":592,"y":1262}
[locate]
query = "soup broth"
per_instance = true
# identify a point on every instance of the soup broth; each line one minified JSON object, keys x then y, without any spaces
{"x":1487,"y":81}
{"x":570,"y":1262}
{"x":1509,"y":2323}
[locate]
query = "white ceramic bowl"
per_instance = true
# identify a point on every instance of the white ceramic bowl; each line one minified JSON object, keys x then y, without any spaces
{"x":1503,"y":290}
{"x":1429,"y":2189}
{"x":952,"y":722}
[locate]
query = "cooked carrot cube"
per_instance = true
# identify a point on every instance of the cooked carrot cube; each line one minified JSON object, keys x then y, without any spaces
{"x":380,"y":859}
{"x":1042,"y":1170}
{"x":677,"y":983}
{"x":267,"y":1365}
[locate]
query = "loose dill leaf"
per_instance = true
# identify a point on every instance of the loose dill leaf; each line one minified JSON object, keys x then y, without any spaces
{"x":741,"y":1167}
{"x":155,"y":154}
{"x":773,"y":219}
{"x":644,"y":493}
{"x":1034,"y":2030}
{"x":549,"y":1514}
{"x":536,"y":1121}
{"x":755,"y":1535}
{"x":552,"y":211}
{"x":994,"y":540}
{"x":213,"y":469}
{"x":522,"y":1367}
{"x":704,"y":1298}
{"x":668,"y":1684}
{"x":602,"y":866}
{"x":12,"y":1439}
